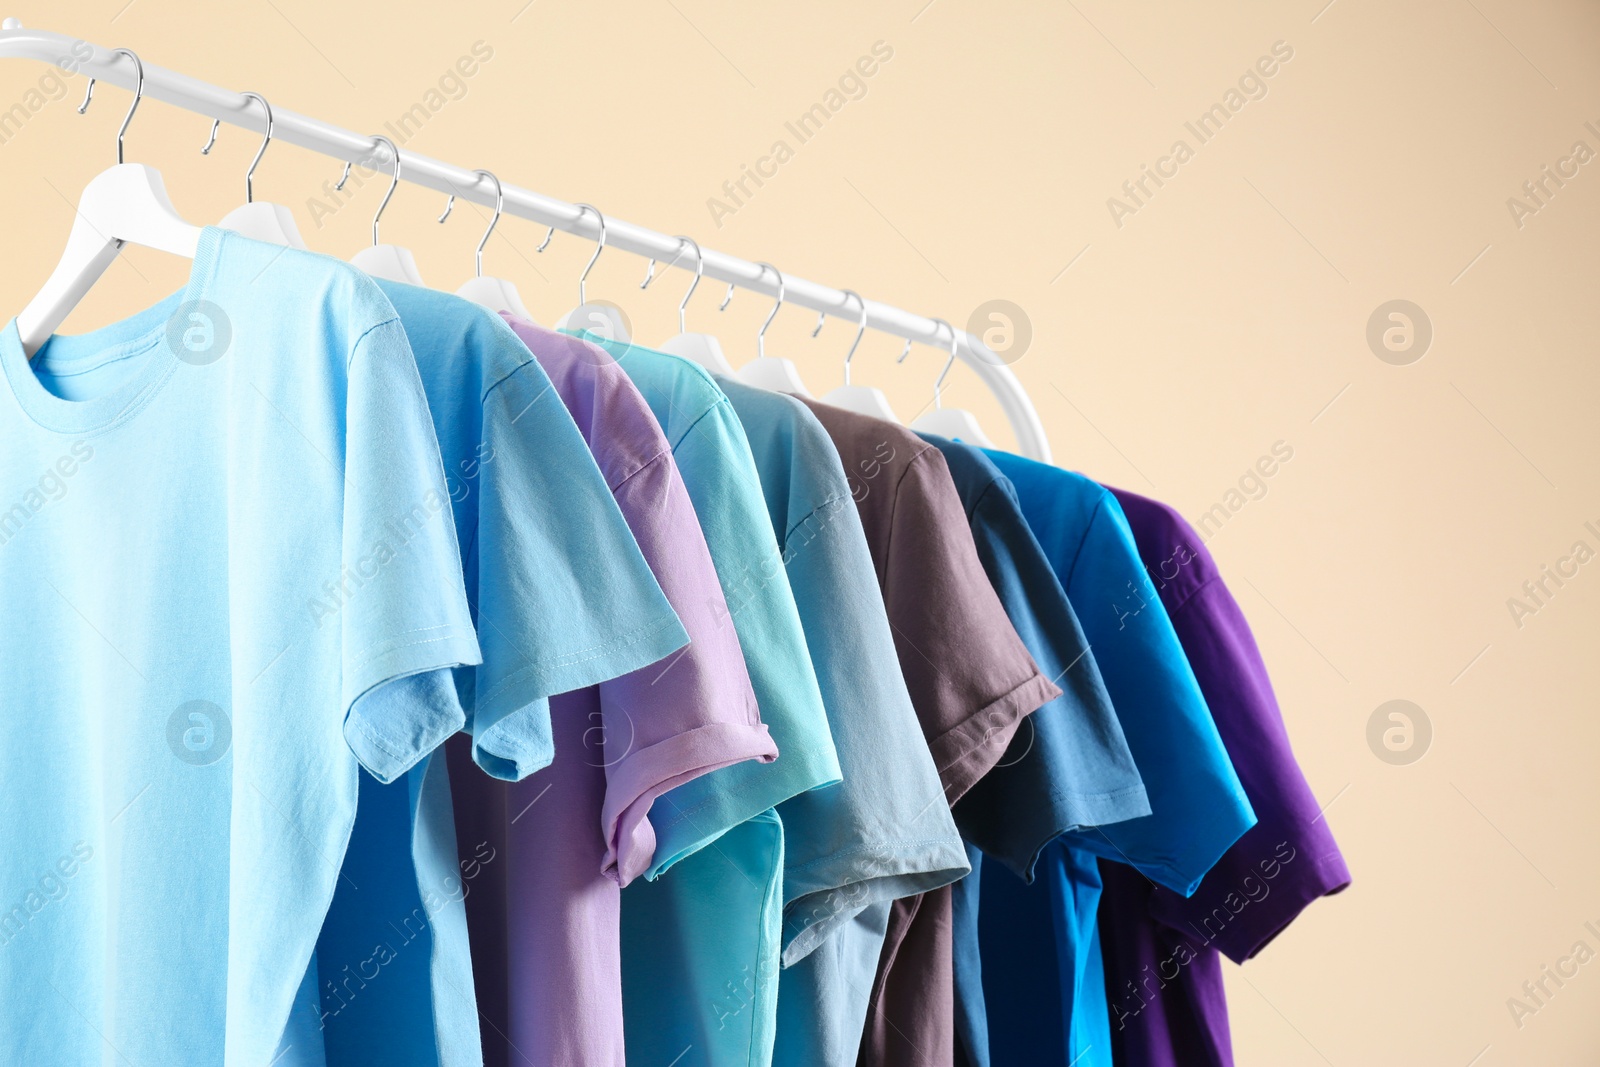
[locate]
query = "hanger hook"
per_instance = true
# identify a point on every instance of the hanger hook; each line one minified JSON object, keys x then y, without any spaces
{"x":699,"y":271}
{"x":904,"y":352}
{"x":600,"y":246}
{"x":138,"y":94}
{"x":761,"y":334}
{"x":861,"y":329}
{"x":938,"y":384}
{"x":499,"y":208}
{"x":726,"y":298}
{"x":249,"y":175}
{"x":394,"y":181}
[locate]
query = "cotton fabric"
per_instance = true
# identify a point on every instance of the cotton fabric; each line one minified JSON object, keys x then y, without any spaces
{"x":1198,"y":808}
{"x":1161,"y":949}
{"x":884,"y":831}
{"x":246,"y":585}
{"x":547,"y":935}
{"x":971,"y":683}
{"x":682,"y":946}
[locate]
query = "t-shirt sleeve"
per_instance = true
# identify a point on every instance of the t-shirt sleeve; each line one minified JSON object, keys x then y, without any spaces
{"x":1289,"y":858}
{"x":565,"y":599}
{"x":720,"y":475}
{"x":1198,"y":807}
{"x":884,"y":831}
{"x":691,"y":713}
{"x":970,"y":677}
{"x":404,"y":613}
{"x":1069,"y":765}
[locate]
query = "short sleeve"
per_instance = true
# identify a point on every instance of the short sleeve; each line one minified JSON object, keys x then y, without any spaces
{"x":1198,"y":807}
{"x":690,"y":714}
{"x":565,"y":599}
{"x":971,"y":680}
{"x":725,"y":490}
{"x":402,"y":606}
{"x":1289,"y":858}
{"x":884,"y":832}
{"x":1069,"y":765}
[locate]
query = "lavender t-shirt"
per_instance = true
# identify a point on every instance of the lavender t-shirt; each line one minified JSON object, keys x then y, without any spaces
{"x":544,"y":913}
{"x":1161,"y":950}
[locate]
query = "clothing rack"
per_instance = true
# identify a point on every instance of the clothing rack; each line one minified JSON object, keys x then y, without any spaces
{"x":243,"y":111}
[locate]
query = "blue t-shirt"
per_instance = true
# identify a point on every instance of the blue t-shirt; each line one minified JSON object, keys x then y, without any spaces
{"x":1198,"y":807}
{"x":884,"y":832}
{"x":225,"y":534}
{"x":701,"y":935}
{"x":563,"y":599}
{"x":1068,"y":766}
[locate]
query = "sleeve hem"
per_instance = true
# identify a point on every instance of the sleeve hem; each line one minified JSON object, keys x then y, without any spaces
{"x":1081,"y":811}
{"x":991,"y":727}
{"x":640,"y":647}
{"x":641,"y":776}
{"x":1255,"y":926}
{"x":385,"y":756}
{"x":904,"y":869}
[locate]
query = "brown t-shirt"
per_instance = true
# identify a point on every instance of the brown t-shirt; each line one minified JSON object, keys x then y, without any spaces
{"x":971,"y":682}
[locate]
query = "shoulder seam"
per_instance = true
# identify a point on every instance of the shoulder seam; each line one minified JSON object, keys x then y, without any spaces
{"x":351,"y":357}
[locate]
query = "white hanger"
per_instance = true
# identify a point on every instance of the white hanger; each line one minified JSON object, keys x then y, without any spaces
{"x":272,"y":223}
{"x":954,"y":423}
{"x":701,"y":348}
{"x":125,"y":203}
{"x":390,"y":262}
{"x":496,"y":294}
{"x":862,"y":399}
{"x":764,"y":372}
{"x":603,"y":320}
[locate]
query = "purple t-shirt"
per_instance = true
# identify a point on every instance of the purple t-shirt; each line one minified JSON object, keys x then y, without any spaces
{"x":1161,"y":950}
{"x":543,"y":916}
{"x":971,"y":681}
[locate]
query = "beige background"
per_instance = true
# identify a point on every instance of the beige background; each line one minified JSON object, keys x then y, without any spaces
{"x":1228,"y":313}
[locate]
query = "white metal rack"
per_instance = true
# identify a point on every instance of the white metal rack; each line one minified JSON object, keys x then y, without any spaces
{"x":288,"y":126}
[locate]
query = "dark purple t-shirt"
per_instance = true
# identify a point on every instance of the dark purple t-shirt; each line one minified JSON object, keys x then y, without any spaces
{"x":1161,"y":950}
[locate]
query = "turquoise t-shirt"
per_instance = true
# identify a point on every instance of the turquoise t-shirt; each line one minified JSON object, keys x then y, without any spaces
{"x":1045,"y":995}
{"x":682,"y":944}
{"x":563,"y":599}
{"x":226,"y":535}
{"x":884,"y":832}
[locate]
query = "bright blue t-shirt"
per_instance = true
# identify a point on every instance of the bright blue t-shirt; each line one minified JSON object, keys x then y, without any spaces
{"x":701,"y":932}
{"x":1069,"y":765}
{"x":1198,"y":807}
{"x":225,"y":539}
{"x":884,"y":832}
{"x":563,"y":599}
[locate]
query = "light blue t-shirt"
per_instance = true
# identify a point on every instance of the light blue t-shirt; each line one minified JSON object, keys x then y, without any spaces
{"x":1045,"y":997}
{"x":225,"y":539}
{"x":682,"y":944}
{"x":884,"y":832}
{"x":563,"y":599}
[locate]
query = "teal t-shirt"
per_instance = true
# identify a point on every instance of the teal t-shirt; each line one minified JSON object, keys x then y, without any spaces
{"x":884,"y":832}
{"x":683,"y":945}
{"x":225,"y":536}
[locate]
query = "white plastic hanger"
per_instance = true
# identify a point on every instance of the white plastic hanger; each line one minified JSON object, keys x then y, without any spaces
{"x":769,"y":372}
{"x":390,"y":262}
{"x":496,"y":294}
{"x":126,"y":203}
{"x":701,"y":348}
{"x":954,"y":423}
{"x":862,"y":399}
{"x":603,"y":320}
{"x":272,"y":223}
